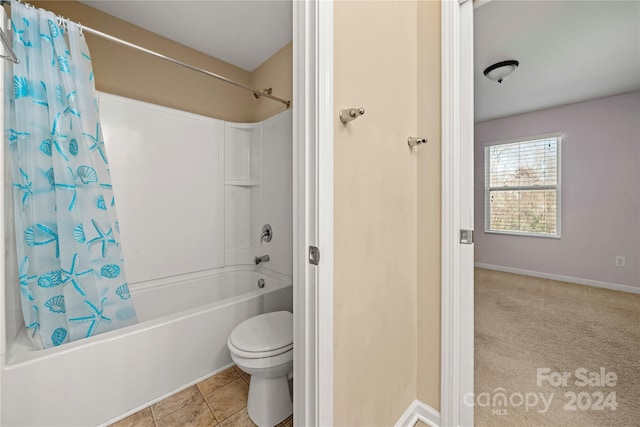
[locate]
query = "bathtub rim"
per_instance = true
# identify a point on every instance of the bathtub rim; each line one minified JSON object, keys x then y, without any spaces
{"x":139,"y":287}
{"x":13,"y":359}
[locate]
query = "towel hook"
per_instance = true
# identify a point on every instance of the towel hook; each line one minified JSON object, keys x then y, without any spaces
{"x":348,"y":114}
{"x":413,"y":141}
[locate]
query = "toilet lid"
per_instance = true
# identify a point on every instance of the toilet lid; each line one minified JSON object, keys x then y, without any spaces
{"x":263,"y":333}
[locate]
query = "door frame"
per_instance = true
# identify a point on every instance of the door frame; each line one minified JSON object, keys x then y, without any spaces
{"x":457,"y":361}
{"x":313,"y":211}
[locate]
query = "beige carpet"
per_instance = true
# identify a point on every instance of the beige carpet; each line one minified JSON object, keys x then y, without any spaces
{"x":524,"y":323}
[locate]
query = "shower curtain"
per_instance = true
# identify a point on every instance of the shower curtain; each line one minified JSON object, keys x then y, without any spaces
{"x":71,"y":273}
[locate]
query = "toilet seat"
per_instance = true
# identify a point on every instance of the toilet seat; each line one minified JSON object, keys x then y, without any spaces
{"x":262,"y":336}
{"x":258,"y":355}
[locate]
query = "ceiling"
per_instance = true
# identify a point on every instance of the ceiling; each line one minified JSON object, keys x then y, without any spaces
{"x":569,"y":51}
{"x":244,"y":33}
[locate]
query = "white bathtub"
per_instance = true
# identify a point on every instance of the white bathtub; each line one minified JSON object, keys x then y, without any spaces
{"x":181,"y":339}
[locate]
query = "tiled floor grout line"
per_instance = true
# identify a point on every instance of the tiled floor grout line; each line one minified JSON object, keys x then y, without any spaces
{"x":218,"y":422}
{"x":220,"y":388}
{"x":235,"y":413}
{"x":153,"y":414}
{"x":232,"y":376}
{"x":227,"y":384}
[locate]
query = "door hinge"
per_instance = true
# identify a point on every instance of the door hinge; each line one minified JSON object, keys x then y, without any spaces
{"x":466,"y":237}
{"x":314,"y":255}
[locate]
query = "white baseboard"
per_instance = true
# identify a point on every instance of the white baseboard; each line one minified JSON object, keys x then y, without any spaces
{"x":419,"y":411}
{"x":570,"y":279}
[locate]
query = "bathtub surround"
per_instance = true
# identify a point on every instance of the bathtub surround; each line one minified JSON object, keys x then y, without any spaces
{"x":600,"y":194}
{"x":71,"y":272}
{"x":238,"y":177}
{"x":151,"y":174}
{"x":204,"y":287}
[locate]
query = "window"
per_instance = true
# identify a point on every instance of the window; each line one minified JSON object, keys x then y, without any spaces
{"x":522,"y":187}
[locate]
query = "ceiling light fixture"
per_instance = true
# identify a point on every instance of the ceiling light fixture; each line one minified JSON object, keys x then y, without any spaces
{"x":501,"y":70}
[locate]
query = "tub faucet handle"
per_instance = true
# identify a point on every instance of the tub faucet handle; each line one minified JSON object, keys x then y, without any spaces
{"x":267,"y":233}
{"x":257,"y":260}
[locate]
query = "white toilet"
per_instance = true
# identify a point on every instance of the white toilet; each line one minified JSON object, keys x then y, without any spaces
{"x":262,"y":346}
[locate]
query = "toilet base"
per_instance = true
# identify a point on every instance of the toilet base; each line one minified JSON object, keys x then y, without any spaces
{"x":269,"y":401}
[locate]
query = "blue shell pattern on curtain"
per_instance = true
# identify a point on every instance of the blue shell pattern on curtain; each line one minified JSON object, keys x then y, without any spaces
{"x":71,"y":270}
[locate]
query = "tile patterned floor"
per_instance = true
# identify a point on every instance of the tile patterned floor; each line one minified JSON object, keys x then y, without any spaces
{"x":220,"y":400}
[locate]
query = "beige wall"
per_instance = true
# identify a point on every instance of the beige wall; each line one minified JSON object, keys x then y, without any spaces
{"x":386,"y":210}
{"x":276,"y":73}
{"x":429,"y":206}
{"x":126,"y":72}
{"x":375,"y":212}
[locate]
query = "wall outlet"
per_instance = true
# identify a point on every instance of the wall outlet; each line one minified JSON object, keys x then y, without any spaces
{"x":621,"y":261}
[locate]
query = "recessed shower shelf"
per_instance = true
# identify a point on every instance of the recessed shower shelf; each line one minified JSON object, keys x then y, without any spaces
{"x":243,"y":173}
{"x":243,"y":182}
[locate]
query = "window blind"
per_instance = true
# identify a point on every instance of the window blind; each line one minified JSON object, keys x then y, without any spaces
{"x":522,"y":191}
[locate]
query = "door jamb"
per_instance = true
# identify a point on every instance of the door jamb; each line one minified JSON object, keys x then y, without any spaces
{"x":313,"y":211}
{"x":457,"y":193}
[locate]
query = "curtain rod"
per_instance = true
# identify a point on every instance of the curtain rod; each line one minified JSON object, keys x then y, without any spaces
{"x":257,"y":93}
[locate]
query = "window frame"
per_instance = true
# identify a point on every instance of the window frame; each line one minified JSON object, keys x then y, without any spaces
{"x":558,"y":187}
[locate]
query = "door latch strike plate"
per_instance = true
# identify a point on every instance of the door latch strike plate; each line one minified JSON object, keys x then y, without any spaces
{"x":466,"y":237}
{"x":314,"y":255}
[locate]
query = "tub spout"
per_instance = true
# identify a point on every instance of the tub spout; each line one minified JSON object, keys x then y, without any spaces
{"x":259,"y":259}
